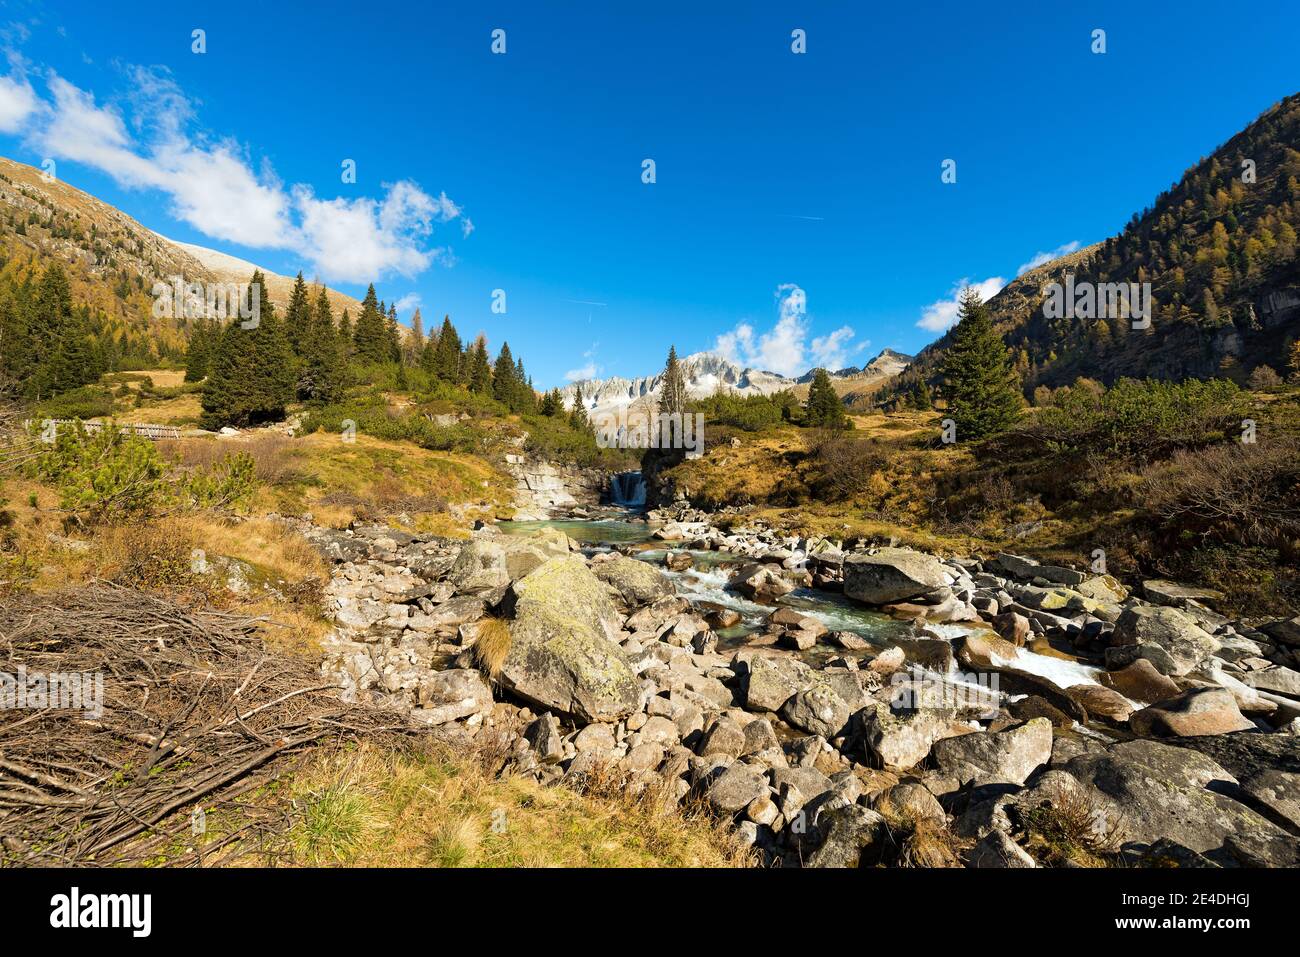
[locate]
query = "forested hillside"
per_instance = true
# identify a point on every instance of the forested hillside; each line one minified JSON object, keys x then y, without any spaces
{"x":1219,"y":250}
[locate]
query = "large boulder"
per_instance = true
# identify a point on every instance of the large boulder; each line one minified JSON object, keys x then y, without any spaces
{"x":773,"y":680}
{"x":893,"y":574}
{"x":761,"y":583}
{"x":1159,"y":791}
{"x":1195,"y":712}
{"x":903,"y":740}
{"x":480,"y":567}
{"x":1168,"y":638}
{"x":638,"y":583}
{"x":995,"y":757}
{"x":524,"y":553}
{"x":1140,"y":681}
{"x":562,"y":653}
{"x":733,"y":789}
{"x":817,"y":710}
{"x":847,"y":832}
{"x":1286,"y":631}
{"x":1028,"y":568}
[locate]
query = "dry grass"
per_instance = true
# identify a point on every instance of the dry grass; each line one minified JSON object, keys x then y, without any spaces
{"x":1073,"y":828}
{"x":491,"y":646}
{"x":374,"y":807}
{"x":919,"y":842}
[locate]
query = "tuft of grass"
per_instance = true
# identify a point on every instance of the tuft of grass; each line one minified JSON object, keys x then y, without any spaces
{"x":333,"y":824}
{"x":491,"y":646}
{"x":1072,"y":828}
{"x":919,"y":842}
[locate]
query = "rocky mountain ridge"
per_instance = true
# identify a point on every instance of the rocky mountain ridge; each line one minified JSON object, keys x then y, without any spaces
{"x":706,"y":372}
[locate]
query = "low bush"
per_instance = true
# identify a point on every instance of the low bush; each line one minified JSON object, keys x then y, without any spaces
{"x":1143,"y":420}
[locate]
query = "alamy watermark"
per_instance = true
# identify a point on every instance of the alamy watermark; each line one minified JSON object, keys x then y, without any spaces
{"x":74,"y":691}
{"x":628,"y":429}
{"x":915,"y":688}
{"x":1105,"y":300}
{"x":208,"y":300}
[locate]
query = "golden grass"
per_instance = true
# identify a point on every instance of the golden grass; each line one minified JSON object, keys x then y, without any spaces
{"x":491,"y":646}
{"x":369,"y":806}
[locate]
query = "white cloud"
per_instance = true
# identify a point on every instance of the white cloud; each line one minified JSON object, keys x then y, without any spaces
{"x":589,"y":370}
{"x":408,"y":303}
{"x":18,"y":101}
{"x":1040,"y":258}
{"x":942,"y":315}
{"x":781,"y":349}
{"x":832,"y":352}
{"x":214,"y":188}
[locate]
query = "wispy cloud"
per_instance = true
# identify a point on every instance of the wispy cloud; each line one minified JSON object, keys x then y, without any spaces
{"x":833,"y":352}
{"x":942,"y":315}
{"x":408,"y":303}
{"x":1040,"y":258}
{"x":18,"y":100}
{"x":588,"y":370}
{"x":149,"y":140}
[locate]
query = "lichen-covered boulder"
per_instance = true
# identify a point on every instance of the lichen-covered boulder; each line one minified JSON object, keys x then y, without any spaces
{"x":562,"y":653}
{"x":480,"y":567}
{"x":637,"y":583}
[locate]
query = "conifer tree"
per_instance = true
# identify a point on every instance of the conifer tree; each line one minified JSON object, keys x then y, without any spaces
{"x":394,"y":336}
{"x":199,"y":354}
{"x":480,"y":370}
{"x":298,"y":316}
{"x":322,"y":378}
{"x":250,"y":378}
{"x":55,"y":325}
{"x":672,"y":397}
{"x":824,"y":409}
{"x":370,"y":340}
{"x":413,"y":349}
{"x":504,"y":384}
{"x":578,"y":418}
{"x":447,"y":357}
{"x":979,"y":384}
{"x":345,"y":335}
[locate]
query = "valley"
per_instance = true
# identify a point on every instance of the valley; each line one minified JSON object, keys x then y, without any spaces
{"x":407,"y":608}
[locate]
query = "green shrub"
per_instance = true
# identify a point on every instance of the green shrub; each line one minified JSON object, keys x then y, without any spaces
{"x":371,"y":416}
{"x":1143,"y":420}
{"x":752,"y":413}
{"x":107,"y":476}
{"x":87,"y":402}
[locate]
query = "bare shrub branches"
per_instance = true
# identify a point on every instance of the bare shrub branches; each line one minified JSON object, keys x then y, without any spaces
{"x":194,"y":713}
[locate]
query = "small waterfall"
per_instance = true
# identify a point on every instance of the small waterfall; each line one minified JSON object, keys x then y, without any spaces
{"x":627,"y":489}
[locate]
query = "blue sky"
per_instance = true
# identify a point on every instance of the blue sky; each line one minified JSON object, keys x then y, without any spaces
{"x":523,"y":171}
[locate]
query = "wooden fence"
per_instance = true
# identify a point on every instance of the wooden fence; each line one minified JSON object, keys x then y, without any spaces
{"x":144,"y":430}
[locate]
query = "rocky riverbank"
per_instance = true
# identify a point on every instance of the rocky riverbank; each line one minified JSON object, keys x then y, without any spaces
{"x":1028,"y":715}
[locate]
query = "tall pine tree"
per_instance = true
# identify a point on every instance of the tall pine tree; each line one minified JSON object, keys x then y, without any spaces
{"x":824,"y":410}
{"x":370,"y":340}
{"x":979,"y":383}
{"x":322,"y":378}
{"x":298,"y":316}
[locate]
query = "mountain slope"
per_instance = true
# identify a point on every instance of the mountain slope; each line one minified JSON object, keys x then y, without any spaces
{"x":1220,"y":254}
{"x":112,"y":260}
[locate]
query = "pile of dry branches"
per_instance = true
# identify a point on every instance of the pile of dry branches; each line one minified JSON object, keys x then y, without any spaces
{"x":195,"y":713}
